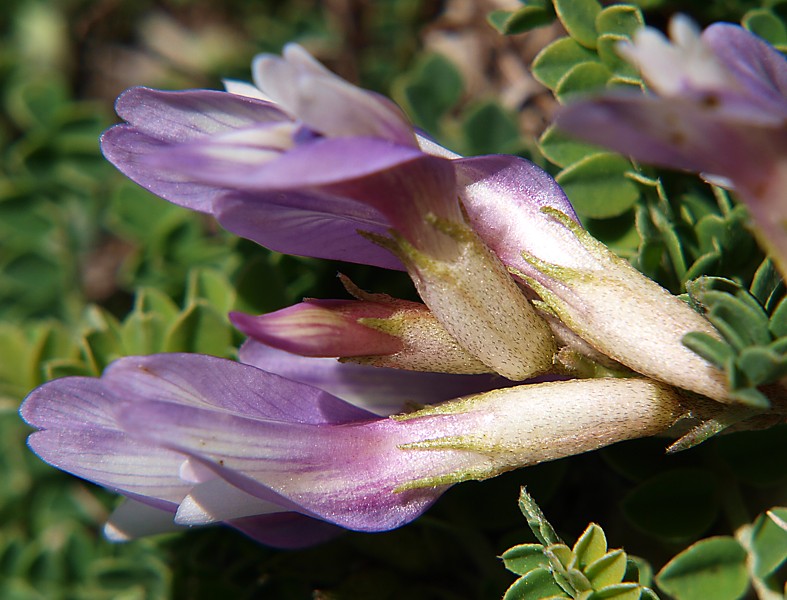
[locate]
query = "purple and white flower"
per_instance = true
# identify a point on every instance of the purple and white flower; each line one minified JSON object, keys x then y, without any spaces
{"x":197,"y":440}
{"x":331,"y":171}
{"x":291,"y":449}
{"x":716,"y":105}
{"x":330,"y":167}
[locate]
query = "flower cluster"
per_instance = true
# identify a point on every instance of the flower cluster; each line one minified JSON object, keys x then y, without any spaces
{"x":289,"y":445}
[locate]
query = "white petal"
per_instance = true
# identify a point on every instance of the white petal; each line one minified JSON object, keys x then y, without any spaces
{"x":217,"y":500}
{"x":244,"y":88}
{"x":133,"y":519}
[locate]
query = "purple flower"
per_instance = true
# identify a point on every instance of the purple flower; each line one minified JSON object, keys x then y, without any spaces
{"x":295,"y":175}
{"x":324,"y":169}
{"x":289,"y":449}
{"x":717,"y":105}
{"x":196,"y":440}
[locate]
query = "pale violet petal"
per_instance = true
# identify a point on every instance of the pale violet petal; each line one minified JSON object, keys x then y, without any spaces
{"x":133,"y":519}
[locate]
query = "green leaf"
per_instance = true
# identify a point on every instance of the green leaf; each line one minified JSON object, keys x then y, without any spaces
{"x":521,"y":20}
{"x":582,"y":79}
{"x":536,"y":520}
{"x":590,"y":546}
{"x":715,"y":351}
{"x":524,"y":558}
{"x":54,"y":369}
{"x":597,"y":186}
{"x":430,"y":90}
{"x":762,"y":365}
{"x":768,"y":543}
{"x":766,"y":280}
{"x":620,"y":19}
{"x":37,"y":101}
{"x":16,"y":366}
{"x":749,"y":396}
{"x":711,"y":568}
{"x":101,"y":347}
{"x":621,"y":591}
{"x":563,"y":150}
{"x":778,"y":322}
{"x":143,"y":333}
{"x":560,"y":556}
{"x":579,"y":19}
{"x":733,"y":310}
{"x":607,"y":570}
{"x":488,"y":128}
{"x":212,"y":286}
{"x":608,"y":53}
{"x":200,"y":329}
{"x":536,"y":585}
{"x":152,"y":300}
{"x":749,"y":324}
{"x":638,"y":570}
{"x":722,"y":419}
{"x":764,"y":23}
{"x":676,"y":506}
{"x":750,"y":455}
{"x":557,"y":59}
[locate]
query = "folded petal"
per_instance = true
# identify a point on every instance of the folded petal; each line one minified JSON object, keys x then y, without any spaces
{"x":214,"y":383}
{"x":326,"y":328}
{"x":128,"y":149}
{"x":503,"y":197}
{"x":311,"y":223}
{"x":325,"y":102}
{"x":182,"y":116}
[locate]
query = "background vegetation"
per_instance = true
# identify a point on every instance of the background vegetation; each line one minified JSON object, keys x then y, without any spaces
{"x":92,"y":268}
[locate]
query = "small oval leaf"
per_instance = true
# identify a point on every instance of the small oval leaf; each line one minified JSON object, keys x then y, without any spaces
{"x":711,"y":568}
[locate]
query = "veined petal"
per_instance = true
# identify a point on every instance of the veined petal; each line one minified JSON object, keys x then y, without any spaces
{"x":312,"y":223}
{"x":326,"y":102}
{"x":182,"y":116}
{"x":228,"y":159}
{"x":216,"y":383}
{"x":336,"y":473}
{"x":79,"y":434}
{"x":379,"y":474}
{"x":320,"y":162}
{"x":129,"y":150}
{"x":250,"y":462}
